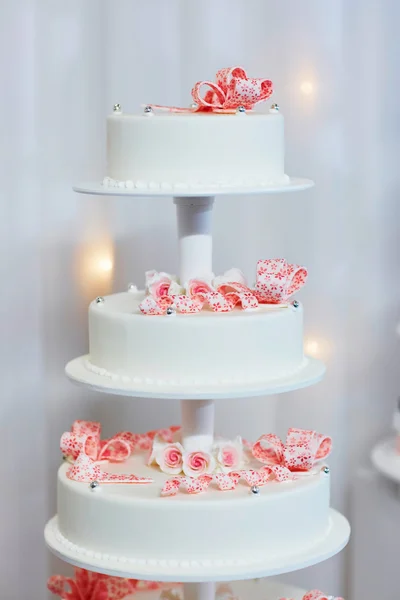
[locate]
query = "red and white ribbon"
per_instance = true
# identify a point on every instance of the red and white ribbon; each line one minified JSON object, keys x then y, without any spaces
{"x":231,"y":89}
{"x":225,"y":481}
{"x":85,"y":437}
{"x":84,"y":447}
{"x":277,"y":280}
{"x":303,"y":449}
{"x":87,"y":585}
{"x":199,"y":294}
{"x":316,"y":595}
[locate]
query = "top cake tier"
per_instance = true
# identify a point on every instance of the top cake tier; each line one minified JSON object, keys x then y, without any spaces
{"x":164,"y":150}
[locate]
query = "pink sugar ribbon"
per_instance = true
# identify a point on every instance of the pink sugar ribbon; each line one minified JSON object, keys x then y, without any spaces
{"x":84,"y":447}
{"x":87,"y":585}
{"x":316,"y":595}
{"x":277,"y":280}
{"x":87,"y":470}
{"x":224,"y":481}
{"x":231,"y":89}
{"x":85,"y":436}
{"x":303,"y":449}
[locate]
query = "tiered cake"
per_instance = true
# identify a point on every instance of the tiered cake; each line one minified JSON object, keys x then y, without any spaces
{"x":181,"y":503}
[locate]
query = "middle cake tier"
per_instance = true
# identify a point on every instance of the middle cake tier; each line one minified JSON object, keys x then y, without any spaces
{"x":204,"y":348}
{"x":135,"y":522}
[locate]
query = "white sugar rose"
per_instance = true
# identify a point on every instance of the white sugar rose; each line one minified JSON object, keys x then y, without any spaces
{"x":198,"y":463}
{"x":229,"y":454}
{"x":169,"y":457}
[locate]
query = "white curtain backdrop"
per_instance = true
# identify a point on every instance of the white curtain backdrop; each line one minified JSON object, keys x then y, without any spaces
{"x":63,"y":66}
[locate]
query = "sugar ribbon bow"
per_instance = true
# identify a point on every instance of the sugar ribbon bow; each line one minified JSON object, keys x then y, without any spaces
{"x":316,"y":595}
{"x":277,"y":280}
{"x":302,"y":450}
{"x":94,"y":586}
{"x":225,"y":481}
{"x":231,"y":89}
{"x":85,"y":437}
{"x":84,"y":447}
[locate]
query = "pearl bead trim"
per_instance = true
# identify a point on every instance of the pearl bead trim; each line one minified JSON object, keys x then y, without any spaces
{"x":108,"y":182}
{"x":182,"y":382}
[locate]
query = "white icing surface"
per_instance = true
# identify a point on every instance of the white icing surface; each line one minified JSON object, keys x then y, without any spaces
{"x":193,"y":349}
{"x":194,"y":150}
{"x":136,"y":523}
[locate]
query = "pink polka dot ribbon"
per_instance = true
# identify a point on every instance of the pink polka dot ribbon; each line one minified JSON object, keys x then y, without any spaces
{"x":232,"y":88}
{"x":277,"y":280}
{"x":84,"y":448}
{"x":85,"y":437}
{"x":225,"y":481}
{"x":87,"y":585}
{"x":303,"y":449}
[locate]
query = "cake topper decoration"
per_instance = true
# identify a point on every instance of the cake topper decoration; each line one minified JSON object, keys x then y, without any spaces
{"x":87,"y":585}
{"x":223,"y":456}
{"x":303,"y":449}
{"x":231,"y":90}
{"x":277,"y":280}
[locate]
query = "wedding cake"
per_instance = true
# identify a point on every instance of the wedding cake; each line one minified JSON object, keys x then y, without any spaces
{"x":183,"y":503}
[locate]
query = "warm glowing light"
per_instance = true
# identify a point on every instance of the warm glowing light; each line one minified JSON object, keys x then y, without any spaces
{"x":105,"y":264}
{"x":312,"y":347}
{"x":95,"y":267}
{"x":307,"y":88}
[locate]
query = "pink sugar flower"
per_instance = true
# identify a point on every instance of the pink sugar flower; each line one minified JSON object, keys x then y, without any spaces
{"x":198,"y":463}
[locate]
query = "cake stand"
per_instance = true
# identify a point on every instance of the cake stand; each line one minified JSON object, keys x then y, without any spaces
{"x":194,"y":211}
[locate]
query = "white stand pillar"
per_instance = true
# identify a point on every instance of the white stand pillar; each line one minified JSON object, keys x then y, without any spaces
{"x":195,"y":240}
{"x":197,"y":424}
{"x":199,"y":591}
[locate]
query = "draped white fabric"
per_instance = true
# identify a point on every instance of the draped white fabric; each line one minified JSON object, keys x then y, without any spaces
{"x":63,"y":65}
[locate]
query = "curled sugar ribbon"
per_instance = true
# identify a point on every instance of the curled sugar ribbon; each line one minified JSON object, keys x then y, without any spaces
{"x":224,"y":481}
{"x":277,"y":280}
{"x":303,"y":449}
{"x":85,"y":437}
{"x":231,"y":89}
{"x":83,"y":446}
{"x":87,"y":585}
{"x":316,"y":595}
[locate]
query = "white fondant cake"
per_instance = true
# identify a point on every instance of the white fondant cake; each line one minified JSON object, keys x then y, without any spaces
{"x":133,"y":521}
{"x":170,"y":149}
{"x":201,"y":348}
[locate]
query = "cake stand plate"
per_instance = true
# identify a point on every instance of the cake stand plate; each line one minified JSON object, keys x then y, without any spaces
{"x":386,"y":460}
{"x":200,"y":570}
{"x":295,"y":184}
{"x":310,"y":373}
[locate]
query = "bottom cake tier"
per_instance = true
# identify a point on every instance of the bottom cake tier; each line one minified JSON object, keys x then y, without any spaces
{"x":136,"y":522}
{"x":132,"y":528}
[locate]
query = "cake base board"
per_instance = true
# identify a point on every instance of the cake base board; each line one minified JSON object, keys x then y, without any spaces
{"x":202,"y":570}
{"x":312,"y":372}
{"x":386,"y":460}
{"x":295,"y":184}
